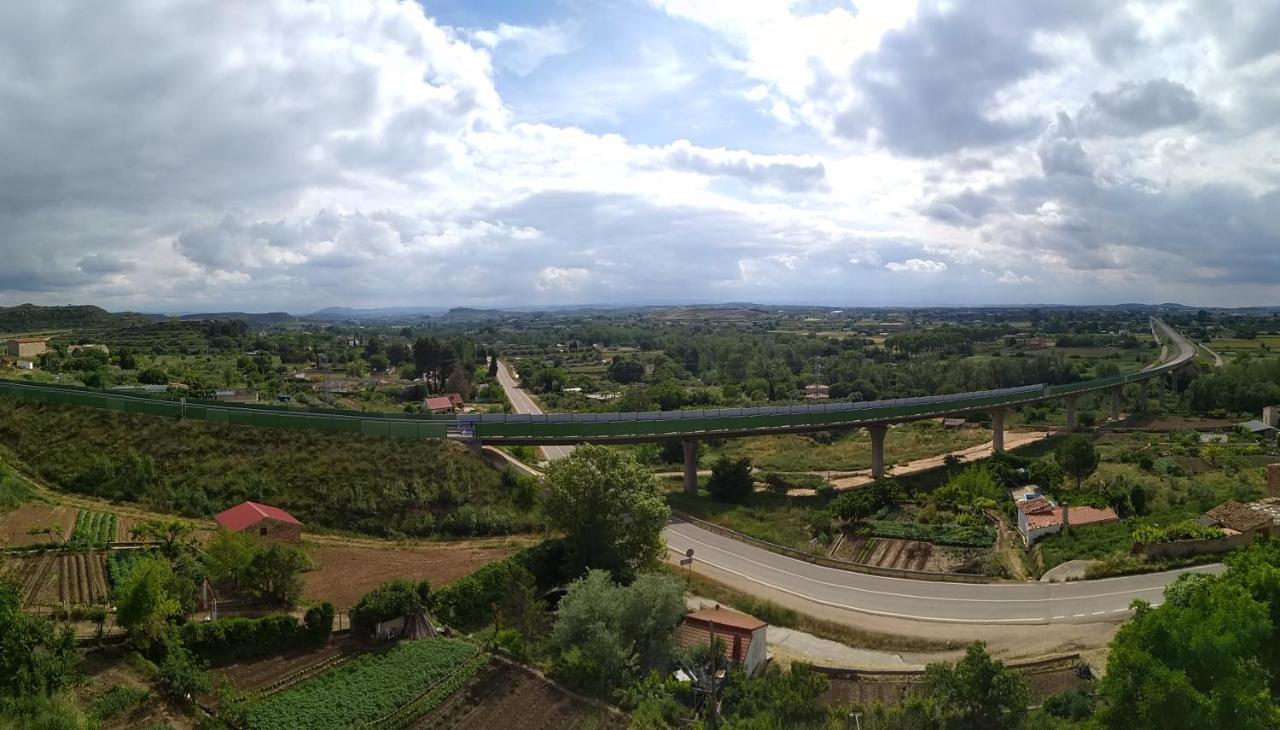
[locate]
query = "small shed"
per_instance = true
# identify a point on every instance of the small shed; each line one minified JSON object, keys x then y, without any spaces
{"x":744,"y":636}
{"x":438,"y":404}
{"x":1237,"y":517}
{"x":1258,"y":428}
{"x":267,"y":522}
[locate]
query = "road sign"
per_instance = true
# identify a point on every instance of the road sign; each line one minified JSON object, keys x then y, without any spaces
{"x":689,"y":553}
{"x":686,"y":561}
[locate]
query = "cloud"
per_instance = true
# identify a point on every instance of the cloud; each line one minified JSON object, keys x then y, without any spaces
{"x":1137,"y":107}
{"x":788,"y":172}
{"x":1060,"y":151}
{"x":521,"y":49}
{"x":917,"y":266}
{"x":1008,"y":277}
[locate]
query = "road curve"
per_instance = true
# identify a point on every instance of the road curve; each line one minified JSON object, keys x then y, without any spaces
{"x":962,"y":603}
{"x":522,"y":402}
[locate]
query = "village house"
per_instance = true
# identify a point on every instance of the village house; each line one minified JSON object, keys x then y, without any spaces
{"x":817,"y":391}
{"x":438,"y":404}
{"x":27,"y":348}
{"x":1234,"y":518}
{"x":743,"y":636}
{"x":264,"y":521}
{"x":72,"y":349}
{"x":1039,"y":516}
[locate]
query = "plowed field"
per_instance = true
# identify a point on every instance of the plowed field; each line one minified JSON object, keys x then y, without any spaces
{"x":345,"y":573}
{"x":14,"y":525}
{"x":503,"y":696}
{"x":68,"y":578}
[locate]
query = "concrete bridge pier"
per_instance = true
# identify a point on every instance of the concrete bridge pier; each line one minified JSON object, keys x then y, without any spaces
{"x":877,"y":450}
{"x":1160,"y":390}
{"x":1115,"y":404}
{"x":475,"y":447}
{"x":997,"y":431}
{"x":690,"y":466}
{"x":1073,"y":416}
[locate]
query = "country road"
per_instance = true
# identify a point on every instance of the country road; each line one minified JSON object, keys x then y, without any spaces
{"x":961,"y":603}
{"x":522,"y":402}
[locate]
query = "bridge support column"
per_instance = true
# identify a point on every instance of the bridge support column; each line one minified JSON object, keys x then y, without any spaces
{"x":475,"y":447}
{"x":1115,"y":404}
{"x":997,"y":431}
{"x":1073,"y":418}
{"x":690,"y":466}
{"x":1160,"y":390}
{"x":877,"y":450}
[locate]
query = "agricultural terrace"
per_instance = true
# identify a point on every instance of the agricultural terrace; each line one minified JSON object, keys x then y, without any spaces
{"x":399,"y":683}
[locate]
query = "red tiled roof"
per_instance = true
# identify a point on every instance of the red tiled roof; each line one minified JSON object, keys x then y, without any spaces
{"x":247,"y":513}
{"x":725,"y":617}
{"x":455,"y":399}
{"x":1239,"y":517}
{"x":1032,"y":506}
{"x":438,"y":403}
{"x":1079,"y":516}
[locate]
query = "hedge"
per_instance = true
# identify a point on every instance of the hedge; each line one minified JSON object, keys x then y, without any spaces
{"x":393,"y":599}
{"x":230,"y":639}
{"x":468,"y":603}
{"x":959,"y":535}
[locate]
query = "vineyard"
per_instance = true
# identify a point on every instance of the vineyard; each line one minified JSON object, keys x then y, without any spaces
{"x":388,"y":688}
{"x":66,"y":578}
{"x":93,"y":529}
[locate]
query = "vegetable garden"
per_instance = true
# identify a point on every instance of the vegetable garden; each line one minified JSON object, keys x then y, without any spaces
{"x":391,"y":688}
{"x":93,"y":529}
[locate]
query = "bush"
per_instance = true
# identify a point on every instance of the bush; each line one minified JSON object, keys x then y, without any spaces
{"x":181,"y":674}
{"x":391,"y":600}
{"x":231,"y":639}
{"x":319,"y":622}
{"x":1072,"y":704}
{"x":1184,"y":530}
{"x":119,"y":699}
{"x":731,"y":480}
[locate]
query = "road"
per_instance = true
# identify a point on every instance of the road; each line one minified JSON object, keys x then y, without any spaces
{"x":1217,"y":359}
{"x":522,"y":402}
{"x":960,"y":603}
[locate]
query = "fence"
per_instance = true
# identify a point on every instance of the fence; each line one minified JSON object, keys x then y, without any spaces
{"x":829,"y":562}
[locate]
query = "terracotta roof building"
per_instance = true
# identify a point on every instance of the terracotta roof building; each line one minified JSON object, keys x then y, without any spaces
{"x":27,"y":347}
{"x":263,"y":520}
{"x":438,"y":404}
{"x":1238,"y":518}
{"x":743,"y":636}
{"x":1039,"y":516}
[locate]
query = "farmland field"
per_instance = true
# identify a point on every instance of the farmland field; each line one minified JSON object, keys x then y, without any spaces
{"x":93,"y":528}
{"x":15,"y":525}
{"x":369,"y":688}
{"x":505,"y":696}
{"x":66,"y":578}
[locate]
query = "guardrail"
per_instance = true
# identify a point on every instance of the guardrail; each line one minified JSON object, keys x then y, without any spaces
{"x":828,"y":562}
{"x":568,"y":427}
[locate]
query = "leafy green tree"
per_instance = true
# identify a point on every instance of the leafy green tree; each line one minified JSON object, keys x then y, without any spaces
{"x":148,"y":600}
{"x":1079,"y":459}
{"x":605,"y":633}
{"x":854,"y":506}
{"x":393,"y":599}
{"x":967,"y":487}
{"x":777,"y":699}
{"x":1045,"y":473}
{"x":228,"y":557}
{"x":610,"y":508}
{"x":275,"y":574}
{"x":36,"y":657}
{"x":975,"y":693}
{"x":181,"y":674}
{"x":731,"y":480}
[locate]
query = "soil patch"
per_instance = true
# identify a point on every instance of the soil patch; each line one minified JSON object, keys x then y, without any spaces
{"x":345,"y":573}
{"x":274,"y":673}
{"x":904,"y":554}
{"x":849,"y":686}
{"x":14,"y":525}
{"x":504,"y":696}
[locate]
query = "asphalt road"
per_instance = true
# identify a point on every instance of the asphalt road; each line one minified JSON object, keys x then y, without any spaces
{"x":993,"y":603}
{"x":522,"y":402}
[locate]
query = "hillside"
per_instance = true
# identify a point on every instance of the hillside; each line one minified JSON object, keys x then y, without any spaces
{"x":35,"y":318}
{"x":368,"y":484}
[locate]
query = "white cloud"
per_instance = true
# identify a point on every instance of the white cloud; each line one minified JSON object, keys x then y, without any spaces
{"x":917,"y":266}
{"x":522,"y":49}
{"x":1008,"y":277}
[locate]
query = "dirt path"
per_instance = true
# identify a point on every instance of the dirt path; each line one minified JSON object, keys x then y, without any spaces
{"x":1012,"y":440}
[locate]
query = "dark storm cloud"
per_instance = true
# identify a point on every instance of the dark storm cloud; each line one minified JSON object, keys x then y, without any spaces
{"x":931,"y":88}
{"x":1136,"y":107}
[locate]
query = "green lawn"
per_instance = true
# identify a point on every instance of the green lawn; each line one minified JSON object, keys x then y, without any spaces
{"x":769,"y":517}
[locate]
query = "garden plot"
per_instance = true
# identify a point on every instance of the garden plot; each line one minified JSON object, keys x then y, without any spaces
{"x":69,"y":579}
{"x":905,"y":554}
{"x":16,"y":526}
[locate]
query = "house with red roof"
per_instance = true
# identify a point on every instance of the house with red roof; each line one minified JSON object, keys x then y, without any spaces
{"x":261,"y":520}
{"x":743,"y":636}
{"x":1039,"y":516}
{"x":439,"y":404}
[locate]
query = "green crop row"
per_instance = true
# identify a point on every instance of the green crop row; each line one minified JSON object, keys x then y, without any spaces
{"x":959,"y":535}
{"x":93,"y":529}
{"x":366,"y":689}
{"x":432,"y":698}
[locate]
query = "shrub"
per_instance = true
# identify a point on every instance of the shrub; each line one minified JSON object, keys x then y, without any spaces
{"x":731,"y":480}
{"x":120,"y":698}
{"x":319,"y":622}
{"x":1184,"y":530}
{"x":393,"y":599}
{"x":937,"y":534}
{"x":181,"y":674}
{"x":230,"y":639}
{"x":470,"y":602}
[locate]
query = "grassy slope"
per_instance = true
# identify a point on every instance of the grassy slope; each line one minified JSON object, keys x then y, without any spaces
{"x":850,"y":450}
{"x":342,"y":481}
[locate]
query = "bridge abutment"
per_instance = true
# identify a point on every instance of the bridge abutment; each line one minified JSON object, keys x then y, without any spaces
{"x":690,"y":466}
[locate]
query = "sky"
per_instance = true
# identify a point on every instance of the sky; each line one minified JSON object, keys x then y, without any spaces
{"x":212,"y":155}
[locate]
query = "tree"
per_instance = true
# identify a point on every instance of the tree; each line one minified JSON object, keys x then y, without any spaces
{"x":605,"y":632}
{"x":36,"y":657}
{"x":275,"y":574}
{"x":610,"y":508}
{"x":493,"y":366}
{"x":146,"y":601}
{"x":777,"y":699}
{"x":1079,"y":459}
{"x":626,"y":370}
{"x":975,"y":693}
{"x":394,"y":599}
{"x":174,"y":536}
{"x":854,"y":506}
{"x":181,"y":675}
{"x":731,"y":479}
{"x":228,"y":557}
{"x":1045,"y":473}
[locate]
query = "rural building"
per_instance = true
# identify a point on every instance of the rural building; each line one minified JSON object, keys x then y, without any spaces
{"x":455,"y":399}
{"x":1271,"y":416}
{"x":1213,"y":438}
{"x":743,"y":636}
{"x":26,"y":365}
{"x":1260,"y":429}
{"x":1235,"y":518}
{"x":1039,"y":516}
{"x":27,"y":347}
{"x":953,"y":423}
{"x":438,"y":404}
{"x":817,"y":391}
{"x":77,"y":348}
{"x":267,"y":522}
